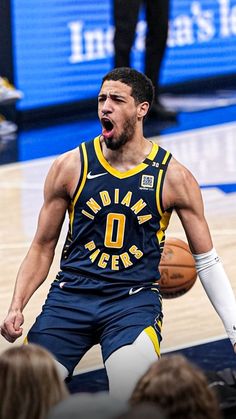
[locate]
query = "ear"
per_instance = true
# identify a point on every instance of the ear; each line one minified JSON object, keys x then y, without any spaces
{"x":142,"y":109}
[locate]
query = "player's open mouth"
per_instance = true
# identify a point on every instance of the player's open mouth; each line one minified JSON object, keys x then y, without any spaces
{"x":108,"y":128}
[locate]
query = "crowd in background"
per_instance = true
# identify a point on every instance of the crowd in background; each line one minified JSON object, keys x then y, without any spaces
{"x":172,"y":388}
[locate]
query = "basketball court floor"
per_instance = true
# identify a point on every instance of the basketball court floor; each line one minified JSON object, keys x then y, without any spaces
{"x":204,"y":139}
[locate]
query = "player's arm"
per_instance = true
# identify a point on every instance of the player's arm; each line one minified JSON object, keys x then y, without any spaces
{"x":182,"y":192}
{"x":35,"y":267}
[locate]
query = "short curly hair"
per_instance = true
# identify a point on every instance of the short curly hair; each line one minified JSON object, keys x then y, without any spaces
{"x":141,"y":85}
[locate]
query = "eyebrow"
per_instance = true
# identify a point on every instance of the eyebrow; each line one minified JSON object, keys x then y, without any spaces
{"x":111,"y":95}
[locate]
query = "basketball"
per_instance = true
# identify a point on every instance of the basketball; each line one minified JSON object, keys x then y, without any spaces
{"x":177,"y":268}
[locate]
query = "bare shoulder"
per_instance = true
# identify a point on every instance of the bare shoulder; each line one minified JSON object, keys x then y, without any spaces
{"x":178,"y":172}
{"x":64,"y":173}
{"x":67,"y":161}
{"x":180,"y":185}
{"x":182,"y":192}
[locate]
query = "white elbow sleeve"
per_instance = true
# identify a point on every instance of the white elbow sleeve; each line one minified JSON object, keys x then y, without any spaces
{"x":218,"y":288}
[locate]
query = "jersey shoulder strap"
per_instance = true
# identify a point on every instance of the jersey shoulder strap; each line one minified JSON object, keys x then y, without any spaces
{"x":161,"y":159}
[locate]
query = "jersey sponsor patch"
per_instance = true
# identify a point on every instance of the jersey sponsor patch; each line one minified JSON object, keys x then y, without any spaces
{"x":147,"y":181}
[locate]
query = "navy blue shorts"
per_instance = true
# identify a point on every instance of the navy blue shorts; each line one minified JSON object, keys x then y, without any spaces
{"x":80,"y":312}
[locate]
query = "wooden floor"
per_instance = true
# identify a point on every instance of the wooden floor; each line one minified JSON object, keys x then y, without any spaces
{"x":210,"y":154}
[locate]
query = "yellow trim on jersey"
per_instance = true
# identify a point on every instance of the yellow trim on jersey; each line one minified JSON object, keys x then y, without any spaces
{"x":159,"y":182}
{"x":25,"y":341}
{"x":117,"y":173}
{"x":165,"y":216}
{"x":153,"y":336}
{"x":72,"y":208}
{"x":160,"y":174}
{"x":166,"y":157}
{"x":163,"y":226}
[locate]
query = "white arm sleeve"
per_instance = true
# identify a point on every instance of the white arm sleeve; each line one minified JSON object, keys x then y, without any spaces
{"x":218,"y":288}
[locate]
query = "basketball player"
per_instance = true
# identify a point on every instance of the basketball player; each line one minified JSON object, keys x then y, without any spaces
{"x":119,"y":190}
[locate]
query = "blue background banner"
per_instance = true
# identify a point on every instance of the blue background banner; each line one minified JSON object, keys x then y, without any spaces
{"x":62,"y":48}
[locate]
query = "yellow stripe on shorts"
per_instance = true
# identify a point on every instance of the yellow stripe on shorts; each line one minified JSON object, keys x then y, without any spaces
{"x":153,"y":336}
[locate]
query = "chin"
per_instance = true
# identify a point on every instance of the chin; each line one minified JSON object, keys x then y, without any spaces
{"x":112,"y":143}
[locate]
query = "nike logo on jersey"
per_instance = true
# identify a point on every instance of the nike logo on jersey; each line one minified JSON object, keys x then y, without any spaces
{"x":132,"y":291}
{"x":90,"y":176}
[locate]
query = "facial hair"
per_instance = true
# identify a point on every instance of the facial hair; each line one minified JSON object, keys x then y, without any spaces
{"x":128,"y":133}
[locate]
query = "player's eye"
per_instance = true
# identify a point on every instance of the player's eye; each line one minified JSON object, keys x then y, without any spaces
{"x":117,"y":99}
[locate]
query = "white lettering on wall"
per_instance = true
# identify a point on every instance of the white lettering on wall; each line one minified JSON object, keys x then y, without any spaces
{"x":204,"y":22}
{"x":140,"y":38}
{"x":76,"y":38}
{"x":181,"y":32}
{"x":198,"y":26}
{"x":89,"y":45}
{"x":227,"y":19}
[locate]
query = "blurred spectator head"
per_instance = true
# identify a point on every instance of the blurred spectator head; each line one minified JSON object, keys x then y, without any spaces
{"x":179,"y":388}
{"x":29,"y":382}
{"x":144,"y":410}
{"x":88,"y":406}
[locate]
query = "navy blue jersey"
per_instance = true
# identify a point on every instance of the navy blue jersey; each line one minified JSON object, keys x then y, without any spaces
{"x":116,"y":219}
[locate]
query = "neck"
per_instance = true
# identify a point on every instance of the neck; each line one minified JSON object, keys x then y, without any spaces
{"x":128,"y":156}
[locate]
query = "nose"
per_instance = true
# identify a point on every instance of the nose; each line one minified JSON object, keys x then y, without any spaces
{"x":106,"y":106}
